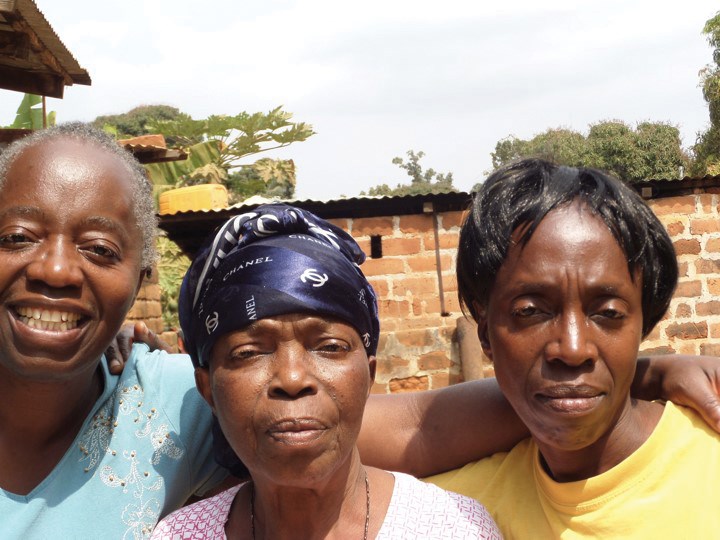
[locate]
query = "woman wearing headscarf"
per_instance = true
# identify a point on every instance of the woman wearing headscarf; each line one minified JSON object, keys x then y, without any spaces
{"x":283,"y":328}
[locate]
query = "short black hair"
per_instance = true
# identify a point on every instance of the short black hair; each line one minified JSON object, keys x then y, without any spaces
{"x":524,"y":192}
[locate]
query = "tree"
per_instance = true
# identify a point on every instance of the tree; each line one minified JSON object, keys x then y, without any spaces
{"x":137,"y":121}
{"x":215,"y":144}
{"x":707,"y":145}
{"x":227,"y":139}
{"x":651,"y":150}
{"x":422,"y":182}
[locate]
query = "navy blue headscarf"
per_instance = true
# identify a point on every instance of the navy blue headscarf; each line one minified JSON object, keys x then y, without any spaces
{"x":275,"y":260}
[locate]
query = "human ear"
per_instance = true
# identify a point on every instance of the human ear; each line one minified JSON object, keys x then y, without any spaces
{"x":202,"y":382}
{"x":482,"y":331}
{"x":372,"y":364}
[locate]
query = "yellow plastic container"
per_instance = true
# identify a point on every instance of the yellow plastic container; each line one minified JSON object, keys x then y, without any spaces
{"x":191,"y":198}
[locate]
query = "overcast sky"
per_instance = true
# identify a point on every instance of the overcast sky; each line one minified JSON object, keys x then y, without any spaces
{"x":377,"y":78}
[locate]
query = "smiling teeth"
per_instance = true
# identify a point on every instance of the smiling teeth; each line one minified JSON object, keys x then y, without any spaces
{"x":44,"y":319}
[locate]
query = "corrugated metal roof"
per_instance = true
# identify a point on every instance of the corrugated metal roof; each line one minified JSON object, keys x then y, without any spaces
{"x":189,"y":229}
{"x":32,"y":57}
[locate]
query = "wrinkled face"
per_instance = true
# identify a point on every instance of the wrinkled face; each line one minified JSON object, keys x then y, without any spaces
{"x":289,"y":393}
{"x":69,"y":258}
{"x":563,"y":325}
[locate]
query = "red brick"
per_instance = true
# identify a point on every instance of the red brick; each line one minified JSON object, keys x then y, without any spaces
{"x":715,"y":330}
{"x":710,"y":349}
{"x":414,"y":338}
{"x":382,"y":226}
{"x":452,"y":219}
{"x":440,"y":380}
{"x":384,"y":266}
{"x":411,"y":384}
{"x":447,"y":240}
{"x":687,"y":247}
{"x":651,"y":351}
{"x":673,"y":205}
{"x":707,"y":266}
{"x":414,"y":285}
{"x":687,"y":348}
{"x":364,"y":244}
{"x":688,"y":289}
{"x":675,"y":228}
{"x":393,"y":309}
{"x":149,"y":291}
{"x":714,"y":286}
{"x":425,"y":306}
{"x":400,"y":246}
{"x":450,"y":282}
{"x":706,"y":202}
{"x":706,"y":309}
{"x":390,"y":325}
{"x":683,"y":311}
{"x":429,"y":320}
{"x":380,"y":285}
{"x":416,"y":223}
{"x":428,"y":263}
{"x":687,"y":330}
{"x":704,"y":226}
{"x":390,"y":365}
{"x":433,"y":360}
{"x":682,"y":269}
{"x":343,"y":223}
{"x":713,"y":245}
{"x":144,"y":309}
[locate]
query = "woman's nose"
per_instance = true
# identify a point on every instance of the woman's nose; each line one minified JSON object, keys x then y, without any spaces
{"x":57,"y":264}
{"x":572,"y":342}
{"x":293,"y":375}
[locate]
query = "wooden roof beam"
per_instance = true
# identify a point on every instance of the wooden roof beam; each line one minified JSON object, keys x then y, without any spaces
{"x":41,"y":84}
{"x":37,"y":46}
{"x":14,"y":45}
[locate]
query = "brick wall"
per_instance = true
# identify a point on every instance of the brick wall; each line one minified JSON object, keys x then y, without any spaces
{"x":147,"y":304}
{"x":416,"y":351}
{"x":692,"y":324}
{"x":418,"y":344}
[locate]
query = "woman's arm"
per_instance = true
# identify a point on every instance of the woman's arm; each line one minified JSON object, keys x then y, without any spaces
{"x":424,"y":433}
{"x":693,"y":381}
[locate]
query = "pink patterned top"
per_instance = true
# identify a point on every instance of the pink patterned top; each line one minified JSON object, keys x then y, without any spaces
{"x":417,"y":510}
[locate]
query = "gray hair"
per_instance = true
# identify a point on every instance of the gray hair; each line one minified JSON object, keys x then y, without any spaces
{"x":142,"y":193}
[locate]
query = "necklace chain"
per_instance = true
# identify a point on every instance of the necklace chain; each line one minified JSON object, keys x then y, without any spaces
{"x":367,"y":507}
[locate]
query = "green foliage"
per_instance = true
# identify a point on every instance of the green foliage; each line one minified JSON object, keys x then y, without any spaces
{"x":707,"y":146}
{"x":234,"y":137}
{"x":241,"y":135}
{"x":173,"y":174}
{"x":651,"y":150}
{"x":270,"y":178}
{"x":421,"y":183}
{"x":29,"y":114}
{"x":136,"y":121}
{"x":172,"y":266}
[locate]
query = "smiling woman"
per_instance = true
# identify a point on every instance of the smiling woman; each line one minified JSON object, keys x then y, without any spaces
{"x":285,"y":356}
{"x":84,"y":453}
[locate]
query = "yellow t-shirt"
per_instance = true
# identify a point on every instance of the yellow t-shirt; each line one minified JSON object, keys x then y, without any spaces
{"x":668,"y":488}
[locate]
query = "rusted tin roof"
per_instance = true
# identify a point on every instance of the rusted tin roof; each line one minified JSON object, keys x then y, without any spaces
{"x":32,"y":57}
{"x":152,"y":149}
